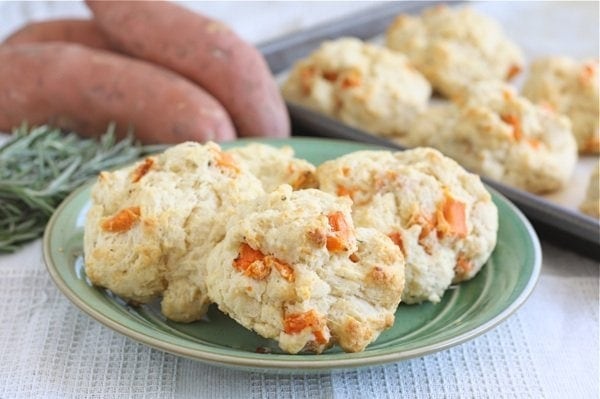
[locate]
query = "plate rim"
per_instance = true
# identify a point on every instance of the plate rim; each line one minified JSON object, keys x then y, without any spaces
{"x":318,"y":364}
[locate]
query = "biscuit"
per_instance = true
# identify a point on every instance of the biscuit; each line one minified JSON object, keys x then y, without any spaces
{"x":496,"y":133}
{"x":455,"y":47}
{"x":127,"y":262}
{"x":293,"y":268}
{"x":275,"y":166}
{"x":440,"y":216}
{"x":571,"y":88}
{"x":361,"y":84}
{"x":591,"y":203}
{"x":151,"y":225}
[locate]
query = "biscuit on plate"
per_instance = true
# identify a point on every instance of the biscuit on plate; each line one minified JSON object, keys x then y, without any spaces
{"x":361,"y":84}
{"x":591,"y":203}
{"x":496,"y":133}
{"x":571,"y":88}
{"x":455,"y":47}
{"x":275,"y":166}
{"x":440,"y":216}
{"x":151,"y":225}
{"x":293,"y":268}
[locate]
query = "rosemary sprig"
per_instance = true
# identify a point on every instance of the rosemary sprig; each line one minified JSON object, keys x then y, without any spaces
{"x":39,"y":167}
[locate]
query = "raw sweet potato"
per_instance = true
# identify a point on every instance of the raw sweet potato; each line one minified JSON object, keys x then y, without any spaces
{"x":75,"y":87}
{"x":205,"y":51}
{"x":81,"y":31}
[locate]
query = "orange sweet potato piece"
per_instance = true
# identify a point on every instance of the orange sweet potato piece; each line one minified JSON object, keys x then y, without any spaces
{"x":296,"y":322}
{"x":257,"y":265}
{"x":463,"y":266}
{"x":451,"y":218}
{"x":286,"y":271}
{"x":226,"y":161}
{"x":142,"y":169}
{"x":337,"y":241}
{"x":396,"y":238}
{"x":122,"y":220}
{"x":515,"y":122}
{"x":513,"y":71}
{"x":246,"y":257}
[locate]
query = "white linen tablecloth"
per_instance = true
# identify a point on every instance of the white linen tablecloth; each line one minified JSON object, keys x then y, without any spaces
{"x":548,"y":349}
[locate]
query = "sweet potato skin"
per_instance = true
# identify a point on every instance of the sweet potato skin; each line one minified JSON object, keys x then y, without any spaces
{"x":204,"y":50}
{"x":81,"y":31}
{"x":75,"y":87}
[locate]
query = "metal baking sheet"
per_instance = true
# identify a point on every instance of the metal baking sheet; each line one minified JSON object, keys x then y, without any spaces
{"x":568,"y":226}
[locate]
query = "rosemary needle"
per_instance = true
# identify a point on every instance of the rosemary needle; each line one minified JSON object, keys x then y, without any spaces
{"x":39,"y":167}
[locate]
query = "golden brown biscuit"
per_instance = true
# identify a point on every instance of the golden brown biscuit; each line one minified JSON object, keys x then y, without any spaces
{"x":494,"y":132}
{"x":151,"y":225}
{"x":439,"y":215}
{"x":293,"y":268}
{"x":455,"y":47}
{"x":275,"y":166}
{"x":571,"y":88}
{"x":361,"y":84}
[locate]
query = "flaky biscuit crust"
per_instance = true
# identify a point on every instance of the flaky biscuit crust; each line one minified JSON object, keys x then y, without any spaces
{"x":455,"y":47}
{"x":440,"y":216}
{"x":275,"y":166}
{"x":151,"y":225}
{"x":293,"y":268}
{"x":498,"y":134}
{"x":569,"y":87}
{"x":361,"y":84}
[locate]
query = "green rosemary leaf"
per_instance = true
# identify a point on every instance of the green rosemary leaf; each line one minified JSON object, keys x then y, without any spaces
{"x":39,"y":167}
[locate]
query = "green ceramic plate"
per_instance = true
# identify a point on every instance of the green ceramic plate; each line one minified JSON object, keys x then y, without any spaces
{"x":466,"y":311}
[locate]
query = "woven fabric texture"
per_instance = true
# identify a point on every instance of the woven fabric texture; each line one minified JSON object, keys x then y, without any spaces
{"x":547,"y":349}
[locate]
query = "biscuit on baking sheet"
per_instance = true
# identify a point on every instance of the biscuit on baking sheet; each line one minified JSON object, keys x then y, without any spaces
{"x":275,"y":166}
{"x":151,"y":225}
{"x":591,"y":203}
{"x":496,"y":133}
{"x":571,"y":88}
{"x":455,"y":47}
{"x":439,"y":215}
{"x":292,"y":267}
{"x":361,"y":84}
